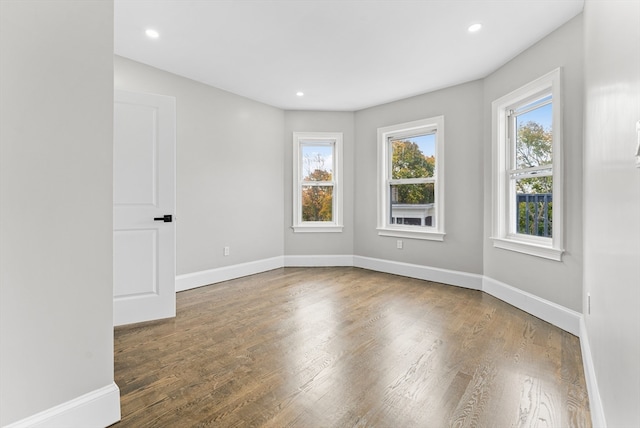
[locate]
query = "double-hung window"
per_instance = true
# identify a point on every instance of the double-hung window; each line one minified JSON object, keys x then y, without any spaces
{"x":527,"y":169}
{"x":317,"y":183}
{"x":411,"y":179}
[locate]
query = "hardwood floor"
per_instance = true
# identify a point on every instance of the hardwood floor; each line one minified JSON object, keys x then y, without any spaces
{"x":346,"y":347}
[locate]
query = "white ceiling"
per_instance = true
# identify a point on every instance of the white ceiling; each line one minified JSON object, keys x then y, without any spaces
{"x":343,"y":54}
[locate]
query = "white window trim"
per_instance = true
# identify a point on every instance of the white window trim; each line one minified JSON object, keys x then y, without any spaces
{"x":384,"y":228}
{"x":503,"y":235}
{"x":335,"y":226}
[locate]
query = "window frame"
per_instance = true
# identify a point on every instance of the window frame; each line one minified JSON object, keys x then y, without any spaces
{"x":504,"y":233}
{"x":318,"y":139}
{"x":414,"y":128}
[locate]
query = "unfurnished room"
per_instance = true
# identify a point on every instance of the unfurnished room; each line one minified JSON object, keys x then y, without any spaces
{"x":320,"y":213}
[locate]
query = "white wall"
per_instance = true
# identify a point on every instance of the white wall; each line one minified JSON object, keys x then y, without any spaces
{"x":319,"y":243}
{"x":558,"y":282}
{"x":462,"y":247}
{"x":56,"y":103}
{"x":612,"y":204}
{"x":212,"y":134}
{"x":230,"y":154}
{"x":56,"y":173}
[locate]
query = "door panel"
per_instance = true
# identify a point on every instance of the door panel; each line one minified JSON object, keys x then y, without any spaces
{"x":144,"y":189}
{"x":135,"y":261}
{"x":134,"y":156}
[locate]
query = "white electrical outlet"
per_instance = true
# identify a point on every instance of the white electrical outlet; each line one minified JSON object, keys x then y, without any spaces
{"x":227,"y":250}
{"x":399,"y":244}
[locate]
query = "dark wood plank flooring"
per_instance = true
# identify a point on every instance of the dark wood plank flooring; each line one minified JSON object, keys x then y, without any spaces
{"x":346,"y":347}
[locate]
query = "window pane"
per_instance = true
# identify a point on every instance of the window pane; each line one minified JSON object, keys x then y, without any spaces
{"x":413,"y":157}
{"x":534,"y":206}
{"x":412,"y":204}
{"x":533,"y":137}
{"x":317,"y":162}
{"x":317,"y":203}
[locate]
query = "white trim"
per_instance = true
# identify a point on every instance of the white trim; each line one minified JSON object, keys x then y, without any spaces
{"x":528,"y":248}
{"x":595,"y":402}
{"x":411,"y":234}
{"x":318,"y":261}
{"x":98,"y":408}
{"x":553,"y":313}
{"x":437,"y":232}
{"x":564,"y":318}
{"x":226,"y":273}
{"x":445,"y":276}
{"x":502,"y":204}
{"x":315,"y":227}
{"x":558,"y":315}
{"x":323,"y":138}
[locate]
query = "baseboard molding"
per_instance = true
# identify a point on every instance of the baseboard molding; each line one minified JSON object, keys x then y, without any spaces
{"x":226,"y":273}
{"x":595,"y":402}
{"x":99,"y":408}
{"x":553,"y":313}
{"x":427,"y":273}
{"x":318,"y":261}
{"x":564,"y":318}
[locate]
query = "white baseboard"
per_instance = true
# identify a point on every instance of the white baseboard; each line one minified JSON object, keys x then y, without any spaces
{"x":564,"y":318}
{"x":99,"y":408}
{"x":451,"y":277}
{"x":595,"y":402}
{"x":553,"y":313}
{"x":226,"y":273}
{"x":318,"y":261}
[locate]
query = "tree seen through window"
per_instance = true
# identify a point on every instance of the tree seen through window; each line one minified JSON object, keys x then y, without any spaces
{"x":317,"y":187}
{"x":409,"y":161}
{"x":533,"y":154}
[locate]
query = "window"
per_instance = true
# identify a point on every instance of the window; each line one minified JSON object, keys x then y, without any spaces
{"x":317,"y":186}
{"x":527,"y":169}
{"x":411,"y":180}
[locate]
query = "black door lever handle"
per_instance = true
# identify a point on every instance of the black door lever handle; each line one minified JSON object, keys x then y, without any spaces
{"x":166,"y":218}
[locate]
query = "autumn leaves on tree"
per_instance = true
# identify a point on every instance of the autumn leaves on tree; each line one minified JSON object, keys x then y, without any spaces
{"x":408,"y":161}
{"x":317,"y":199}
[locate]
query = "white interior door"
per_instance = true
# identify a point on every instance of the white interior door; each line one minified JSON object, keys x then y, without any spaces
{"x":143,"y":208}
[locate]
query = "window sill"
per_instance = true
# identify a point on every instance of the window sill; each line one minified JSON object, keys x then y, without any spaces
{"x":532,"y":249}
{"x":411,"y":234}
{"x":316,"y":228}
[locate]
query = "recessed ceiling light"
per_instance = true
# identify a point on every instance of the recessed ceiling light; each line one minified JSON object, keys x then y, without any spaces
{"x":300,"y":94}
{"x":153,"y":34}
{"x":474,"y":28}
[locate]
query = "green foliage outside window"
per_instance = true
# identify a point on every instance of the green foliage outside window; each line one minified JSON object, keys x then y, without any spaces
{"x":533,"y":149}
{"x":534,"y":224}
{"x":408,"y":161}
